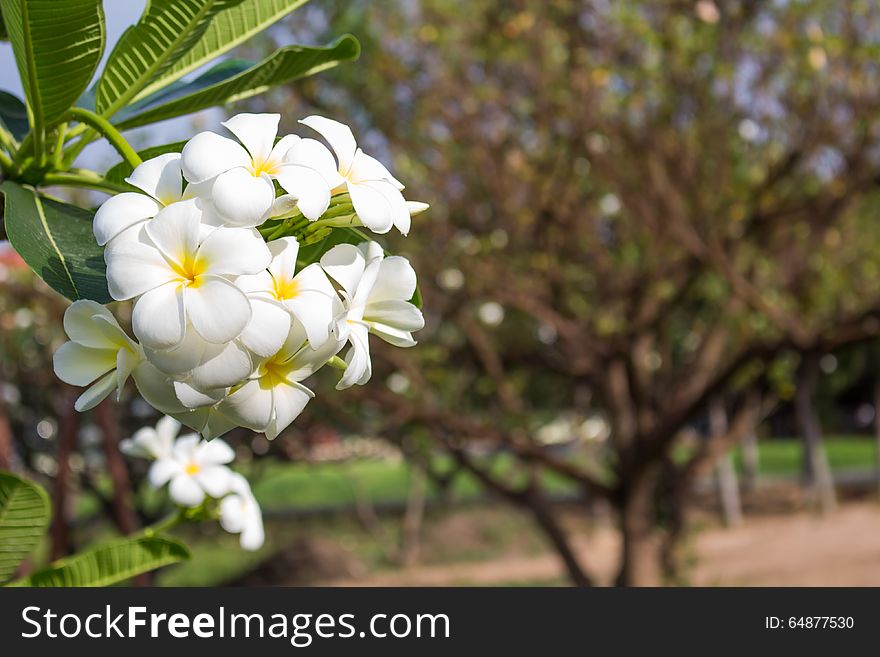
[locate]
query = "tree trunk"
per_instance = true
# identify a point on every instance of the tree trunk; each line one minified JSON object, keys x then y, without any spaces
{"x":7,"y":449}
{"x":68,"y":428}
{"x":123,"y":514}
{"x":875,"y":352}
{"x":751,"y":462}
{"x":412,"y":518}
{"x":725,"y":473}
{"x":640,"y":558}
{"x":817,"y":473}
{"x":548,"y":522}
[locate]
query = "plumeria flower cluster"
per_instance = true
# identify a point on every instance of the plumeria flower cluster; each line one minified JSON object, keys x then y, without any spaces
{"x":196,"y":470}
{"x":229,"y":321}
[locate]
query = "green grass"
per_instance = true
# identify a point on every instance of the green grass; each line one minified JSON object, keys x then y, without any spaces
{"x":783,"y":456}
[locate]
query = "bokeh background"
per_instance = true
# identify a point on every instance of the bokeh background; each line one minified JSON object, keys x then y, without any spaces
{"x":650,"y":273}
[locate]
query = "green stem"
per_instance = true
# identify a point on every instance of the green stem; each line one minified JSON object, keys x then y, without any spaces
{"x":165,"y":524}
{"x":337,"y":363}
{"x":6,"y":162}
{"x":83,"y":179}
{"x":106,"y":128}
{"x":58,"y":152}
{"x":7,"y":140}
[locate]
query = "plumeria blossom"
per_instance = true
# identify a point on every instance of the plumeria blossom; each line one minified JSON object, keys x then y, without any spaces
{"x":99,"y":353}
{"x":242,"y":190}
{"x":274,"y":396}
{"x":308,"y":295}
{"x":376,"y":292}
{"x":375,"y":193}
{"x":119,"y":217}
{"x":240,"y":514}
{"x":194,"y":468}
{"x":180,"y":271}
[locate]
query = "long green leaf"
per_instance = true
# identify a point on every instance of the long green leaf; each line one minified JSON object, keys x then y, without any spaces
{"x":283,"y":66}
{"x":13,"y":115}
{"x":122,"y":170}
{"x":24,"y":515}
{"x":229,"y":28}
{"x":167,"y":30}
{"x":56,"y":241}
{"x":110,"y":564}
{"x":57,"y":48}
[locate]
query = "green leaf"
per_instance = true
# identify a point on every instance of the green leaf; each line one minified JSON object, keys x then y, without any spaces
{"x":229,"y":28}
{"x":312,"y":251}
{"x":4,"y":35}
{"x":122,"y":170}
{"x":13,"y":115}
{"x":110,"y":564}
{"x":284,"y":65}
{"x":57,"y":48}
{"x":145,"y":51}
{"x":24,"y":515}
{"x":56,"y":241}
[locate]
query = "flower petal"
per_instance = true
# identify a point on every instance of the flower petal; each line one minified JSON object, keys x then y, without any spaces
{"x":315,"y":304}
{"x":250,"y":405}
{"x":156,"y":389}
{"x":222,"y":366}
{"x":97,"y":393}
{"x":79,"y":365}
{"x":395,"y":313}
{"x":215,"y":452}
{"x":284,"y":252}
{"x":358,"y":366}
{"x":162,"y":471}
{"x":79,"y":324}
{"x":234,"y":251}
{"x":310,"y":188}
{"x":182,"y":358}
{"x":160,"y":177}
{"x":289,"y":402}
{"x":175,"y":230}
{"x":256,"y":131}
{"x":134,"y":268}
{"x":379,"y":205}
{"x":208,"y":155}
{"x":218,"y":310}
{"x":312,"y":154}
{"x":268,"y":328}
{"x":396,"y":280}
{"x":192,"y":397}
{"x":345,"y":264}
{"x":214,"y":480}
{"x":185,"y":491}
{"x":122,"y":212}
{"x":243,"y":199}
{"x":159,"y":317}
{"x":338,"y":135}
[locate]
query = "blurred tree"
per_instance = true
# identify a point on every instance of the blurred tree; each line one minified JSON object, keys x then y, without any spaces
{"x":636,"y":206}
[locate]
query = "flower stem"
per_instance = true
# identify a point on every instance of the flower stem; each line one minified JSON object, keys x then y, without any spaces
{"x":88,"y":179}
{"x":106,"y":128}
{"x":165,"y":524}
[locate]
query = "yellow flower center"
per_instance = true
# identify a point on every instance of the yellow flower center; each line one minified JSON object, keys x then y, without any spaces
{"x":190,"y":269}
{"x":192,"y":469}
{"x":274,"y":372}
{"x":285,"y":289}
{"x":259,"y":167}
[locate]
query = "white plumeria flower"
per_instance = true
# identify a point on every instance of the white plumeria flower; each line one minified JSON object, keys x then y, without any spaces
{"x":194,"y":468}
{"x":375,"y":193}
{"x":99,"y":353}
{"x":376,"y":293}
{"x":153,"y":443}
{"x":181,"y":272}
{"x":242,"y":173}
{"x":308,"y":295}
{"x":274,"y":396}
{"x":240,"y":514}
{"x":119,"y":217}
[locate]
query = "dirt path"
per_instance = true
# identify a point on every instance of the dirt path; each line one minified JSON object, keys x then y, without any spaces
{"x":795,"y":550}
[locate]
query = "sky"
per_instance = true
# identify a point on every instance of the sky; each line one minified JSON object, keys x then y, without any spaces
{"x":119,"y":15}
